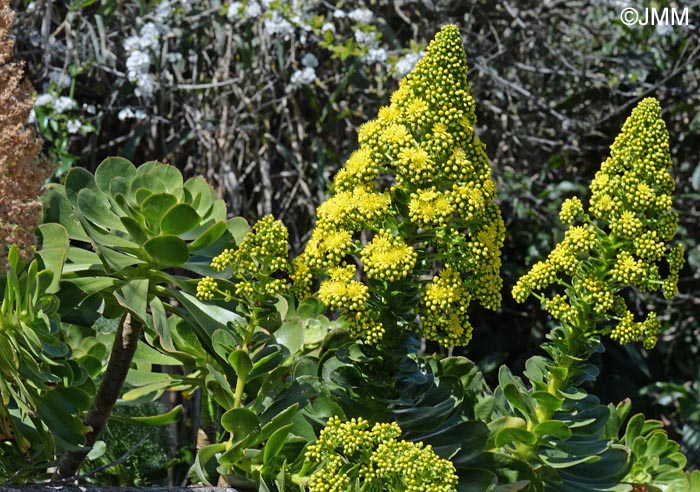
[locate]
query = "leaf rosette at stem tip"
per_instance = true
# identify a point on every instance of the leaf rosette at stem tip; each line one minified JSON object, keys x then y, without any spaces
{"x":624,"y":238}
{"x":134,"y":233}
{"x":410,"y":234}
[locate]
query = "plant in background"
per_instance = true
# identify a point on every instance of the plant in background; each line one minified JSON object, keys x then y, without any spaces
{"x":58,"y":119}
{"x":274,"y":351}
{"x":408,"y":238}
{"x":22,"y":172}
{"x":42,"y":388}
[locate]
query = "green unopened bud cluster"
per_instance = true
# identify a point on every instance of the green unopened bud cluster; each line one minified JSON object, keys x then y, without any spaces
{"x":415,"y":200}
{"x":620,"y":241}
{"x":260,"y":256}
{"x":350,"y":452}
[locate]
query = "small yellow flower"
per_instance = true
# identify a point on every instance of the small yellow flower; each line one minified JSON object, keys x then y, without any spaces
{"x":430,"y":208}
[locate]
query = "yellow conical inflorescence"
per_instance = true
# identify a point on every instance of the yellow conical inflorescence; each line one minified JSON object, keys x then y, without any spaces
{"x":620,"y":240}
{"x":414,"y":199}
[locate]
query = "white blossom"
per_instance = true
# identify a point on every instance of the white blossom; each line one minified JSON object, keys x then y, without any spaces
{"x":361,"y":16}
{"x":125,"y":114}
{"x":129,"y":114}
{"x":145,"y":85}
{"x":73,"y":126}
{"x":328,"y":26}
{"x":234,"y":10}
{"x":174,"y":57}
{"x":407,"y":62}
{"x":63,"y":104}
{"x":44,"y":100}
{"x":60,"y":79}
{"x":367,"y":38}
{"x":305,"y":76}
{"x":252,"y":10}
{"x":663,"y":29}
{"x":163,"y":11}
{"x":278,"y":25}
{"x":339,"y":14}
{"x":309,"y":60}
{"x":375,"y":55}
{"x":138,"y":62}
{"x":149,"y":36}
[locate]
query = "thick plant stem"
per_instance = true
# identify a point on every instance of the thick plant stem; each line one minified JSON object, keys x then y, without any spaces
{"x":241,"y":380}
{"x":125,"y":342}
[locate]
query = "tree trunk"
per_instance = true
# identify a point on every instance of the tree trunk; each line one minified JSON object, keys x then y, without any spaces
{"x":125,"y":342}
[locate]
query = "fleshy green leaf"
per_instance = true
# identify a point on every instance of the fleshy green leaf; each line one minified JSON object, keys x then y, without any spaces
{"x":275,"y":443}
{"x":166,"y":418}
{"x":241,"y":423}
{"x":179,"y":219}
{"x":110,"y":168}
{"x":154,"y":208}
{"x":57,"y":208}
{"x":209,"y":236}
{"x":94,"y":207}
{"x":510,"y":434}
{"x":78,"y":179}
{"x":169,"y":175}
{"x":238,"y":227}
{"x":134,"y":297}
{"x":553,"y":428}
{"x":204,"y":456}
{"x":167,"y":250}
{"x":241,"y":363}
{"x":54,"y":249}
{"x":135,"y":230}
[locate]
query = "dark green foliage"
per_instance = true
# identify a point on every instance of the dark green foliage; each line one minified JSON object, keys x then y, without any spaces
{"x":148,"y":449}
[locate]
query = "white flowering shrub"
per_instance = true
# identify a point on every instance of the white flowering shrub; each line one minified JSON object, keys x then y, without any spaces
{"x":59,"y":118}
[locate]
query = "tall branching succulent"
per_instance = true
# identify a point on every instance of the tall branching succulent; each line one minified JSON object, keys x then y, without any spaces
{"x":619,"y":241}
{"x":139,"y":223}
{"x":616,"y":243}
{"x":411,"y":228}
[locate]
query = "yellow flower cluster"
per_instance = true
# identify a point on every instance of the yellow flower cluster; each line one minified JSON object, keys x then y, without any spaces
{"x":419,"y":178}
{"x":430,"y":208}
{"x":387,"y":257}
{"x":444,"y":303}
{"x":351,"y":452}
{"x":622,"y":241}
{"x":207,"y":288}
{"x":627,"y":330}
{"x":597,"y":294}
{"x":559,"y":307}
{"x":341,"y":292}
{"x":675,"y":263}
{"x":261,"y":254}
{"x":571,"y":209}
